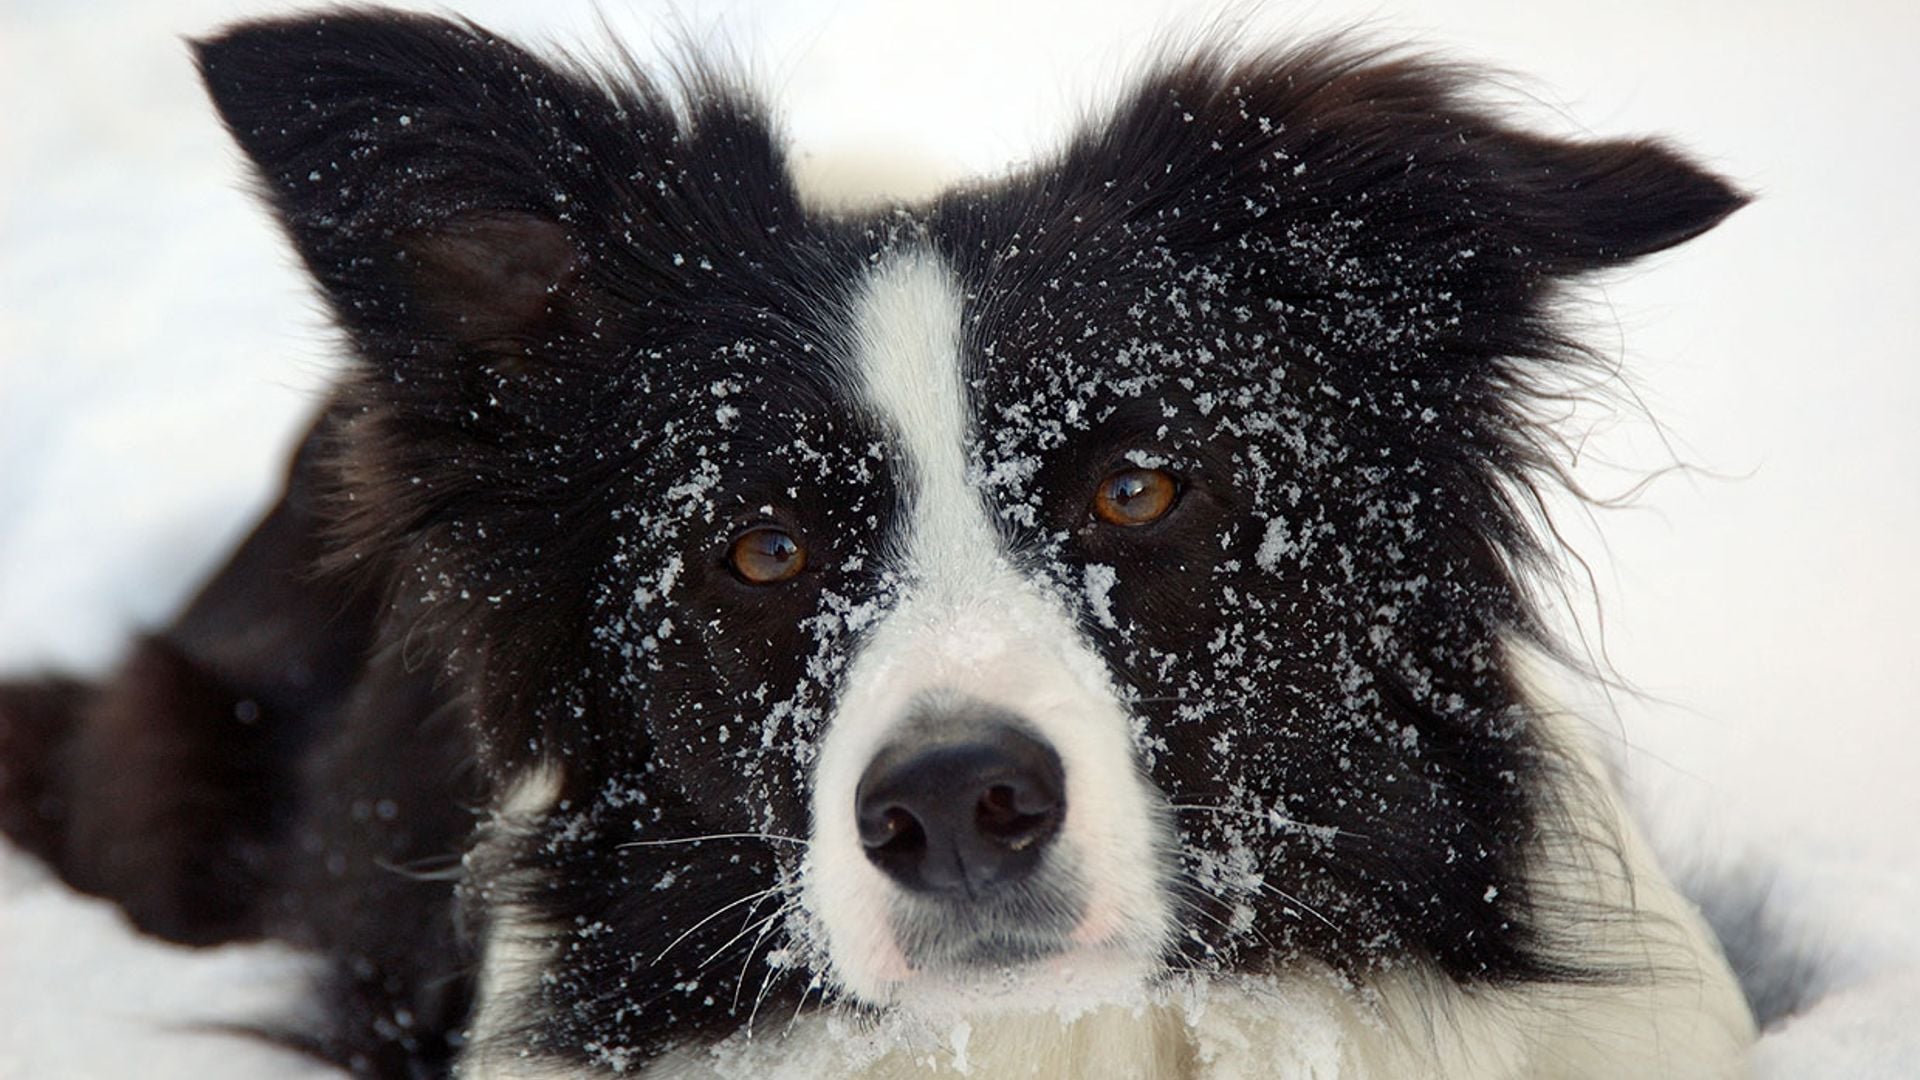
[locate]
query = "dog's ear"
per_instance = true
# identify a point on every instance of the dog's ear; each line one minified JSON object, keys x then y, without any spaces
{"x":452,"y":192}
{"x":424,"y":169}
{"x":1390,"y":166}
{"x":1586,"y":205}
{"x":510,"y":242}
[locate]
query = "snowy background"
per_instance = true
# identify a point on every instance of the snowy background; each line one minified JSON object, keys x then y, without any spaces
{"x":158,"y":353}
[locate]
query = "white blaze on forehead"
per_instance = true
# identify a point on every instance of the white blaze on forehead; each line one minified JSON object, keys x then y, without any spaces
{"x":911,"y":362}
{"x":968,"y":623}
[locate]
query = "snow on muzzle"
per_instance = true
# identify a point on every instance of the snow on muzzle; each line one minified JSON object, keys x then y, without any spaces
{"x":978,"y":811}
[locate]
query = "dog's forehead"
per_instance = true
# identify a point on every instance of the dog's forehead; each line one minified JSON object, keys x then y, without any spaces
{"x":751,"y":367}
{"x":1067,"y":322}
{"x":1052,"y":311}
{"x":813,"y":384}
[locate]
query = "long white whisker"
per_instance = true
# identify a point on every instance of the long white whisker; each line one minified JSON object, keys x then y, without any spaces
{"x":747,"y":899}
{"x":766,"y":982}
{"x":1205,"y":890}
{"x":1267,"y":817}
{"x":1193,"y":885}
{"x":816,"y":983}
{"x":448,"y":868}
{"x":1292,"y":899}
{"x":751,"y":925}
{"x":770,"y":837}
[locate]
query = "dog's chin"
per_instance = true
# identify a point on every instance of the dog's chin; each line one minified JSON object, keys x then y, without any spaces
{"x":1028,"y":975}
{"x":982,"y":954}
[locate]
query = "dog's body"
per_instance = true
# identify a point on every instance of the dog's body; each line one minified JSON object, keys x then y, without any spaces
{"x":1072,"y":627}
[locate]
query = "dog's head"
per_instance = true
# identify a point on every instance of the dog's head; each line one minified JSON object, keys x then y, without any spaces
{"x":1091,"y":575}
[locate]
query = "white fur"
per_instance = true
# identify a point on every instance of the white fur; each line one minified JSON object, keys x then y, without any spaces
{"x":969,"y":623}
{"x":512,"y":955}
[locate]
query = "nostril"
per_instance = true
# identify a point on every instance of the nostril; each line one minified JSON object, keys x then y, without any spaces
{"x":898,"y":824}
{"x":1016,"y":816}
{"x":893,"y":828}
{"x":996,"y":809}
{"x":895,"y":839}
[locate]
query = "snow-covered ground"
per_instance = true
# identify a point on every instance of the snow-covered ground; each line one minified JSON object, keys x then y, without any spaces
{"x":157,"y":352}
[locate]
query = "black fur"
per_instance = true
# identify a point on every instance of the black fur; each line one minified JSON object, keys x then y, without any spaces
{"x":595,"y":333}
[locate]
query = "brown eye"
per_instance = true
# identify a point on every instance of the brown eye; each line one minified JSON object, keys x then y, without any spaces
{"x":1135,"y":497}
{"x":766,"y":555}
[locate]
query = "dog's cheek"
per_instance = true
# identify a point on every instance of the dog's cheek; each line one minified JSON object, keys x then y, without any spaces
{"x":736,"y":754}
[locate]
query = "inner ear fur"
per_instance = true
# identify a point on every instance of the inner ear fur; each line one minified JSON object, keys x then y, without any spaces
{"x":424,"y":169}
{"x":490,"y":281}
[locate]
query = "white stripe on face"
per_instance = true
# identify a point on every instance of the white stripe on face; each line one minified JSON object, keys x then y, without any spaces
{"x":968,"y":623}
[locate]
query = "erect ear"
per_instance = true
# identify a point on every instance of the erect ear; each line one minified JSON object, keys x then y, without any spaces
{"x":1579,"y":206}
{"x":1336,"y":153}
{"x":426,"y":171}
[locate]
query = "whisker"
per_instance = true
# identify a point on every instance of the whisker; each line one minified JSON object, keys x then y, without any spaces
{"x":815,"y":983}
{"x":747,"y":899}
{"x":1292,"y":899}
{"x":751,"y":925}
{"x":1194,"y":953}
{"x":1268,"y":817}
{"x":770,"y":837}
{"x":766,"y":982}
{"x":1186,"y":875}
{"x":1215,"y":919}
{"x":1193,"y":885}
{"x":432,"y":868}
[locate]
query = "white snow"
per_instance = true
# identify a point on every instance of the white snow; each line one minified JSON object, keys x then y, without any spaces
{"x":1100,"y":582}
{"x":158,"y":353}
{"x":1276,"y":544}
{"x":81,"y":997}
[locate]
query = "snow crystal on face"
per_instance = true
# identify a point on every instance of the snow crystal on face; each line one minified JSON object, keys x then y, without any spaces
{"x":1276,"y":545}
{"x":1100,"y":581}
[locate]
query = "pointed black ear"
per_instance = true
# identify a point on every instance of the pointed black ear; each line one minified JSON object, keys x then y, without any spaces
{"x":1585,"y":205}
{"x":1391,"y":163}
{"x":426,"y":170}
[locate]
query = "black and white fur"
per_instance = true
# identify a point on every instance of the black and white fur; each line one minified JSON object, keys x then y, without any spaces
{"x":483,"y":717}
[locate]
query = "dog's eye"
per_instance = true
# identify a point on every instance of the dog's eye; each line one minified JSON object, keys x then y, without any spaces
{"x":1135,"y":497}
{"x":766,"y":555}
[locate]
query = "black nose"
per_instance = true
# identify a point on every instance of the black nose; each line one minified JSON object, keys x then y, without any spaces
{"x":962,"y":815}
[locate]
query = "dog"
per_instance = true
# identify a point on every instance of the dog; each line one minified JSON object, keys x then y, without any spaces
{"x":1076,"y":625}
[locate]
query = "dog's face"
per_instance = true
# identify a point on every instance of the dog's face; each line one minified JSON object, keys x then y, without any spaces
{"x":1087,"y":578}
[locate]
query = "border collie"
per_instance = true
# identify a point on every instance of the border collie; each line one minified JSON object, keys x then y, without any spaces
{"x":1073,"y":626}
